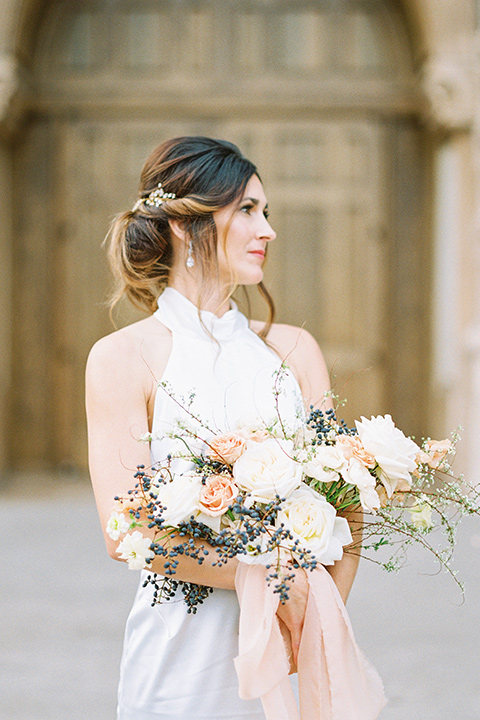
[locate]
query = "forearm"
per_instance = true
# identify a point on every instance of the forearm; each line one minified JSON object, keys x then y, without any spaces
{"x":206,"y":573}
{"x":344,"y":571}
{"x":187,"y":568}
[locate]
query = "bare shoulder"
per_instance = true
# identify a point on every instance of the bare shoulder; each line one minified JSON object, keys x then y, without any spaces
{"x":289,"y":340}
{"x":301,"y":352}
{"x":136,"y":352}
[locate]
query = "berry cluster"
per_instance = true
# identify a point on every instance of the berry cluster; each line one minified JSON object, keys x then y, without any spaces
{"x":253,"y":531}
{"x":326,"y":426}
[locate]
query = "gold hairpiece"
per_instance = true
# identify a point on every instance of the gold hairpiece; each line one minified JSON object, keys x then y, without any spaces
{"x":156,"y":198}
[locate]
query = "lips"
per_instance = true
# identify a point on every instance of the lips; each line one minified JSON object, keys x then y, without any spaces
{"x":259,"y":253}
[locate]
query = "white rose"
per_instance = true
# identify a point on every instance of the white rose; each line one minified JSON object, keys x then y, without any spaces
{"x":253,"y":428}
{"x":179,"y":498}
{"x":394,"y":452}
{"x":253,"y":555}
{"x":304,"y":436}
{"x":314,"y":523}
{"x":135,"y":549}
{"x":421,"y":515}
{"x":326,"y":463}
{"x":257,"y":553}
{"x":365,"y":482}
{"x":267,"y":469}
{"x":117,"y":525}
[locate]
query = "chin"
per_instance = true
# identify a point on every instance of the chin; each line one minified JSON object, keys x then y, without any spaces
{"x":251,"y":279}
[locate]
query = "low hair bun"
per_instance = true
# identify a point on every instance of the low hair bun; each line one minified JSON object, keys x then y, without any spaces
{"x":185,"y":179}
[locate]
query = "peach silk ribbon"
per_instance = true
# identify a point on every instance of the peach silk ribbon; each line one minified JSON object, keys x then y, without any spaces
{"x":336,"y":682}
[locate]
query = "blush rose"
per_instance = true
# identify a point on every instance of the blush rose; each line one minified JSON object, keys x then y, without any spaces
{"x":352,"y":447}
{"x":227,"y":448}
{"x":217,"y":494}
{"x":436,"y":451}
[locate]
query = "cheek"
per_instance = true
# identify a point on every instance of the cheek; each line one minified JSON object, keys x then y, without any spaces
{"x":231,"y":247}
{"x":237,"y":236}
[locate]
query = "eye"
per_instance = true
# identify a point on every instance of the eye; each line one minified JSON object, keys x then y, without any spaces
{"x":266,"y":214}
{"x":247,"y":208}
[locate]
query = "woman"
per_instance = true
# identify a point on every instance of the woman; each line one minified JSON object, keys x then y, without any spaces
{"x":199,"y":230}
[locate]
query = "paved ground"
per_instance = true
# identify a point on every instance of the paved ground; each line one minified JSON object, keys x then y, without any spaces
{"x":64,"y":603}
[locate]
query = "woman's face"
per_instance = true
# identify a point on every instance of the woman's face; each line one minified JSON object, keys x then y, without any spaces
{"x":243,"y":236}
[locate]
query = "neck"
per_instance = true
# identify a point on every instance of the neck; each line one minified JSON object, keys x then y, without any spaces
{"x":213,"y":299}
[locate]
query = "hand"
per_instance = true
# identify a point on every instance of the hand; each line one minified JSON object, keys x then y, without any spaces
{"x":287,"y":641}
{"x":291,"y":614}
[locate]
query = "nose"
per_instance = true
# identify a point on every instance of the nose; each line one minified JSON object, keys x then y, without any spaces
{"x":266,"y":232}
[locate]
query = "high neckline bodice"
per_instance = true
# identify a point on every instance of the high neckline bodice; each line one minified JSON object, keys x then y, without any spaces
{"x":180,"y":315}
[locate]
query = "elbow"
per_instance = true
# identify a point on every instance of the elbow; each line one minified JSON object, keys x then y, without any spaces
{"x":112,"y":549}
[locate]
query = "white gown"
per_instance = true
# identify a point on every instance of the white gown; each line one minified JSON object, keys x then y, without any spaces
{"x":175,"y":665}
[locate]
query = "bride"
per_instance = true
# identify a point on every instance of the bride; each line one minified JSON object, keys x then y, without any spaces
{"x":198,"y":231}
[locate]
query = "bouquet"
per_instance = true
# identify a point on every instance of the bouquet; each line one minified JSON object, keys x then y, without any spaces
{"x":267,"y":494}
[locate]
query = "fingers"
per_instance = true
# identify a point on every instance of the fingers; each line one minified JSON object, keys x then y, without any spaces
{"x":292,"y":613}
{"x":296,"y":637}
{"x":288,"y":645}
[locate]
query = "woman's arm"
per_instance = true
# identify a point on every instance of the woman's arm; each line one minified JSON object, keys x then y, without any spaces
{"x":302,"y":354}
{"x":120,"y":388}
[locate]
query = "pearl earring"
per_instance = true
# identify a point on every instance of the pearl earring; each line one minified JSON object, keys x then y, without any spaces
{"x":190,"y":262}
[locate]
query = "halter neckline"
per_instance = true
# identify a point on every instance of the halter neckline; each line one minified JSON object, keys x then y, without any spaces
{"x":179,"y":314}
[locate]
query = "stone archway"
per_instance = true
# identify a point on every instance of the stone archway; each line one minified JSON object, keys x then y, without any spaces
{"x":70,"y":125}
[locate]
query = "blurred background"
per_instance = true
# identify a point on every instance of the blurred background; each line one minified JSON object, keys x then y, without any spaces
{"x":363,"y":117}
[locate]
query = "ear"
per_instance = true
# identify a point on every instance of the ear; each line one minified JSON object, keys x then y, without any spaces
{"x":177,"y":228}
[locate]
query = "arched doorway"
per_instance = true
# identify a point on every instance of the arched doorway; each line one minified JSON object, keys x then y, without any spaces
{"x":320,"y":95}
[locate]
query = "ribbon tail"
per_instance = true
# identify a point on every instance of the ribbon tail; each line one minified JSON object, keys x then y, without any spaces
{"x":336,"y":681}
{"x":262,"y":664}
{"x":280,"y":703}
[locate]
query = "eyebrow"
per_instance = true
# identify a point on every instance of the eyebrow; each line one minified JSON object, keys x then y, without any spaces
{"x":255,"y":201}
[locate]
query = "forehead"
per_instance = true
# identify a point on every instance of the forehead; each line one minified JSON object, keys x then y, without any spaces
{"x":254,"y":189}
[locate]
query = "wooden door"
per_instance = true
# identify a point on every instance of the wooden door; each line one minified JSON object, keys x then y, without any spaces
{"x":329,"y":266}
{"x":331,"y":128}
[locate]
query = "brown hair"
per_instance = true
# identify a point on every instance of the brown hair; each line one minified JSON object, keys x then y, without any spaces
{"x":205,"y":175}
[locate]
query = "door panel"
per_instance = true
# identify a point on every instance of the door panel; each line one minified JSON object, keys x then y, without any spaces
{"x":329,"y":123}
{"x":326,"y":268}
{"x":329,"y":264}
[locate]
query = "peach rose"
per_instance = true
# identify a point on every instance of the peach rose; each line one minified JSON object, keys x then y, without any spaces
{"x":217,"y":495}
{"x":436,"y":451}
{"x":227,"y":447}
{"x":398,"y":495}
{"x":382,"y":496}
{"x":421,"y":459}
{"x":352,"y":447}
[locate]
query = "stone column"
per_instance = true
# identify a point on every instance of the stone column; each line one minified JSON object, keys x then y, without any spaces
{"x":8,"y":90}
{"x":450,"y":82}
{"x":472,"y":330}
